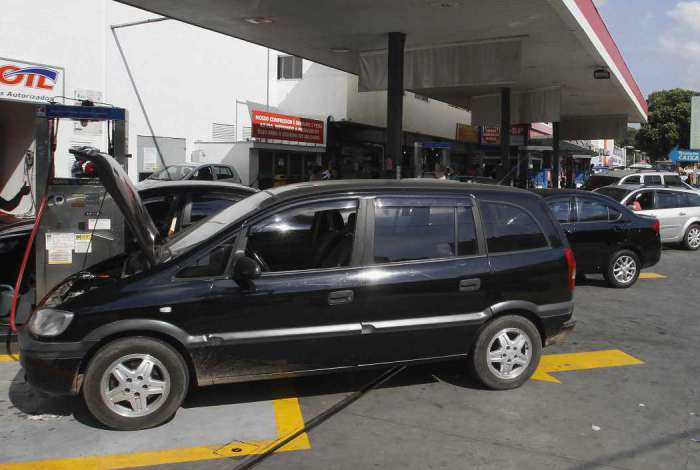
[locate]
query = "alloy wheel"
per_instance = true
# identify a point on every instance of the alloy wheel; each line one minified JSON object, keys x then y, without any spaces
{"x":135,"y":385}
{"x":625,"y":269}
{"x":509,"y":353}
{"x":694,"y":237}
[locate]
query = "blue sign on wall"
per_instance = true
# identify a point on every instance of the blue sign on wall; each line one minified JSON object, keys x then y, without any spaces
{"x":687,"y":156}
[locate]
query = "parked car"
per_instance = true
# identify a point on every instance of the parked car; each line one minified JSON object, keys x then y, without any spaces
{"x":655,"y":178}
{"x":192,"y":171}
{"x":474,"y":179}
{"x":607,"y":238}
{"x":306,"y":278}
{"x":604,"y":178}
{"x":678,"y":210}
{"x":172,"y":205}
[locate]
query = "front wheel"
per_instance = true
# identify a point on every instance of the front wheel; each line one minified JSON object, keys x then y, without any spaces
{"x":623,"y":269}
{"x":506,"y":353}
{"x":135,"y":383}
{"x":692,"y":238}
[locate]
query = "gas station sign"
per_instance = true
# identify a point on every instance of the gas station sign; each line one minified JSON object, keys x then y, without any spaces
{"x":492,"y":135}
{"x":28,"y":81}
{"x":275,"y":126}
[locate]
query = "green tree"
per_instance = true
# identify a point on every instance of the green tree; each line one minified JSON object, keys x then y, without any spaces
{"x":668,"y":125}
{"x":629,"y":140}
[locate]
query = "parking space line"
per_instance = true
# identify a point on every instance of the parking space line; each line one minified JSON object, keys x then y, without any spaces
{"x":8,"y":358}
{"x":553,"y":363}
{"x":288,"y":418}
{"x":652,"y":276}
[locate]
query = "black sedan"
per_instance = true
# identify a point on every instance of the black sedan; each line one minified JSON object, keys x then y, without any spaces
{"x":173,"y":206}
{"x":606,"y":237}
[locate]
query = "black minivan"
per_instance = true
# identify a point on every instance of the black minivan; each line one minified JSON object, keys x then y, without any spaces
{"x":302,"y":279}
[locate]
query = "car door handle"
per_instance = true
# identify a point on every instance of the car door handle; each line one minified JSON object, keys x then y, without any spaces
{"x":682,"y":214}
{"x":340,"y":297}
{"x":469,"y":285}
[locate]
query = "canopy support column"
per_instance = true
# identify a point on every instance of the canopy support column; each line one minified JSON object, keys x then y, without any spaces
{"x":505,"y":128}
{"x":555,"y":155}
{"x":394,"y":105}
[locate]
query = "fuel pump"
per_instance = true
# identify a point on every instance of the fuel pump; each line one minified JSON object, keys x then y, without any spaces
{"x":77,"y":224}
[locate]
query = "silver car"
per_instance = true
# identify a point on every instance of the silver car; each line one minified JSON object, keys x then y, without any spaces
{"x":678,"y":210}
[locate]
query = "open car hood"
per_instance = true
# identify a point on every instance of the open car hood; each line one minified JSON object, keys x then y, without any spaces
{"x":124,"y":194}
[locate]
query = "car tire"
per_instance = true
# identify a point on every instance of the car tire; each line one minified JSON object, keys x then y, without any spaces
{"x":503,"y":364}
{"x":142,"y":373}
{"x":691,"y":241}
{"x":623,"y":269}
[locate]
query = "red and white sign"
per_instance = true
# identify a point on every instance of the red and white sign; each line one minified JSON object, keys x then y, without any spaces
{"x":492,"y":135}
{"x":275,"y":126}
{"x":27,"y":81}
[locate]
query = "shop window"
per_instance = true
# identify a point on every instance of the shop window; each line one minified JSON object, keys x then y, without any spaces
{"x":289,"y":67}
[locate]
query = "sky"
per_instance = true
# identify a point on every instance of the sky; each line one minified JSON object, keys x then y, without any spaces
{"x":659,"y":39}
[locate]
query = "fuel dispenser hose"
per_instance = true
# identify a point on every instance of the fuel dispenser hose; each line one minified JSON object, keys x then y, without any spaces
{"x":32,"y":236}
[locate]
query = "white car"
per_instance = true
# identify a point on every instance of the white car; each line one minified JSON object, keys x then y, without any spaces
{"x":678,"y":210}
{"x":655,"y":178}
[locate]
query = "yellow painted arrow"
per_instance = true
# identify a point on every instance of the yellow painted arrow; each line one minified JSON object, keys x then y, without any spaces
{"x":652,"y":276}
{"x":553,"y":363}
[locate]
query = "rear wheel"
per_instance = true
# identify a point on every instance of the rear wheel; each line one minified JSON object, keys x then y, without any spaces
{"x":135,"y":383}
{"x":692,"y":238}
{"x":623,"y":269}
{"x":506,"y":353}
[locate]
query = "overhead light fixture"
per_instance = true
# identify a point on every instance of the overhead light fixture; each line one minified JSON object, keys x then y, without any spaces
{"x":340,"y":50}
{"x":601,"y":74}
{"x":444,"y":4}
{"x":258,"y":20}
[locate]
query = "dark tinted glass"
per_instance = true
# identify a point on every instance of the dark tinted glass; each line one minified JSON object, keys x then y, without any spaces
{"x":223,"y":173}
{"x":634,"y":179}
{"x":690,"y":200}
{"x":208,"y":204}
{"x":160,"y":211}
{"x":466,"y":232}
{"x":592,"y":211}
{"x":308,"y":237}
{"x":510,"y":228}
{"x":652,"y":180}
{"x":667,"y":200}
{"x":598,"y":181}
{"x":561,"y":208}
{"x":673,"y":180}
{"x":204,"y":174}
{"x":413,"y":233}
{"x":212,"y":264}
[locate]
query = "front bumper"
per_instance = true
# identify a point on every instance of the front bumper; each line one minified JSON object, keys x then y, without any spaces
{"x":51,"y":367}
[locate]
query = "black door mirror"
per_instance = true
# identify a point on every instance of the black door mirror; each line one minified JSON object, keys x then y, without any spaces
{"x":245,"y":269}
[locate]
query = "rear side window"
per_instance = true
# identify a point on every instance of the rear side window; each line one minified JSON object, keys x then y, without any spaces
{"x":690,"y":200}
{"x":595,"y":211}
{"x":510,"y":228}
{"x":667,"y":200}
{"x":561,"y":208}
{"x":645,"y":200}
{"x":223,"y":173}
{"x":632,"y":180}
{"x":673,"y":180}
{"x":413,"y":233}
{"x":208,"y":204}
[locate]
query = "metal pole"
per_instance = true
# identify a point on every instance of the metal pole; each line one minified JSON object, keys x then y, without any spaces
{"x":268,"y":80}
{"x":136,"y":23}
{"x":505,"y":128}
{"x":394,"y":105}
{"x":555,"y":155}
{"x":133,"y":84}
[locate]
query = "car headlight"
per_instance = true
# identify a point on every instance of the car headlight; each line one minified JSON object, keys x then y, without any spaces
{"x":49,"y":322}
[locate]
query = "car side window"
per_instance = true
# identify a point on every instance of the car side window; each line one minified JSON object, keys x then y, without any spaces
{"x":312,"y":236}
{"x":589,"y":210}
{"x":673,"y":180}
{"x":635,"y":179}
{"x":652,"y":180}
{"x":211,"y":264}
{"x":690,"y":200}
{"x":561,"y":208}
{"x":161,"y":210}
{"x":644,"y":200}
{"x":223,"y":173}
{"x":467,"y":244}
{"x":667,"y":200}
{"x":413,"y":233}
{"x":204,"y":174}
{"x":511,"y":228}
{"x":204,"y":205}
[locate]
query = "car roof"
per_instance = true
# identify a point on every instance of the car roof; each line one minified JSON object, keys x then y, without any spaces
{"x":634,"y":187}
{"x":297,"y":190}
{"x":562,"y":192}
{"x":197,"y":184}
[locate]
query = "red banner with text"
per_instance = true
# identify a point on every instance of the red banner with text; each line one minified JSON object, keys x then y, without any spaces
{"x":283,"y":127}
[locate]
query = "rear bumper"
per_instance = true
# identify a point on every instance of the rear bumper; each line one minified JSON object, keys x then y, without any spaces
{"x":564,"y":331}
{"x":51,"y":367}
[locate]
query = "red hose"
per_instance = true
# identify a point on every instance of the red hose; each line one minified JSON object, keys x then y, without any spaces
{"x":35,"y":229}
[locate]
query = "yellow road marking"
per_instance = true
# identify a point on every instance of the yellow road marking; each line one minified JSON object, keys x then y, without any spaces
{"x":288,"y":419}
{"x":553,"y":363}
{"x":652,"y":276}
{"x":8,"y":358}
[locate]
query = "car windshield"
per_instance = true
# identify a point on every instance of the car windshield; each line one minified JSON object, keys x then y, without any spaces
{"x":211,"y":226}
{"x":174,"y":172}
{"x":616,"y":193}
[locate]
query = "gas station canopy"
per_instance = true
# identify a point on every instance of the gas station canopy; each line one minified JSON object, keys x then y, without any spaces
{"x":556,"y":56}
